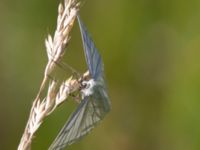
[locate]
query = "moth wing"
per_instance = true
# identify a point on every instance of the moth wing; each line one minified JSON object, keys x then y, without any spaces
{"x":86,"y":116}
{"x":92,"y":55}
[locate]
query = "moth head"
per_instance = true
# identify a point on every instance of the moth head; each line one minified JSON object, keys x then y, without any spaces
{"x":87,"y":84}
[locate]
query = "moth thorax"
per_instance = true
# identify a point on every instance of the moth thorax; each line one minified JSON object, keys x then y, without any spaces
{"x":88,"y":87}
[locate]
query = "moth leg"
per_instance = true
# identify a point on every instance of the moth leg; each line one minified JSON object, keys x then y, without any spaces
{"x":65,"y":66}
{"x":75,"y":73}
{"x":76,"y":97}
{"x":51,"y":77}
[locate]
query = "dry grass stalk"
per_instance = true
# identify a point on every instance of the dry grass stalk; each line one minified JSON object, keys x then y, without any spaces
{"x":55,"y":46}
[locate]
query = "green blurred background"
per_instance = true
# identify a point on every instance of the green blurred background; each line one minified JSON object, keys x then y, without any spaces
{"x":151,"y":51}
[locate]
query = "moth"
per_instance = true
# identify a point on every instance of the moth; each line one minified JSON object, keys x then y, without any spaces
{"x":94,"y":104}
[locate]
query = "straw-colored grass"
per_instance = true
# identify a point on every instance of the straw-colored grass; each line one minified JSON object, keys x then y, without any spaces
{"x":56,"y":93}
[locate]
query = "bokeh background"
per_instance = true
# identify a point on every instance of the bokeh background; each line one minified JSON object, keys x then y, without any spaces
{"x":151,"y":52}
